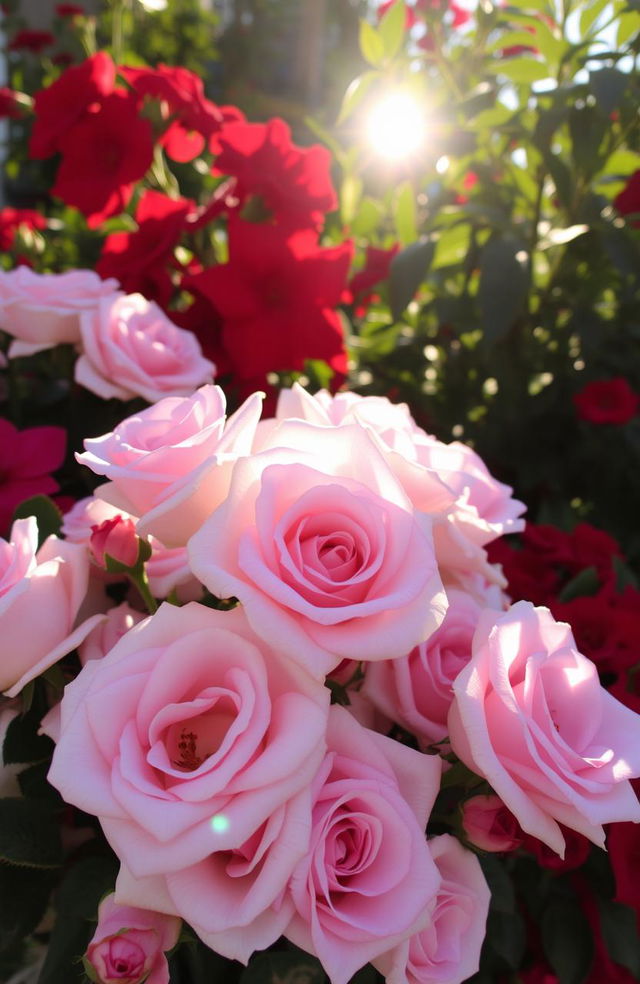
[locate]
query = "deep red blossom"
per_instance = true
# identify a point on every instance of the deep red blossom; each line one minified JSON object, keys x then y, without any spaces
{"x":627,"y":201}
{"x":12,"y":218}
{"x":31,"y":40}
{"x":604,"y":633}
{"x":375,"y":270}
{"x":69,"y":10}
{"x":139,"y":260}
{"x":293,"y":182}
{"x":102,"y":156}
{"x":195,"y":120}
{"x":62,"y":104}
{"x":10,"y":105}
{"x":577,"y":849}
{"x":27,"y":459}
{"x":277,"y":297}
{"x":607,"y":401}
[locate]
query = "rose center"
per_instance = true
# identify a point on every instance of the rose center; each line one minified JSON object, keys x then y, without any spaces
{"x":190,"y":743}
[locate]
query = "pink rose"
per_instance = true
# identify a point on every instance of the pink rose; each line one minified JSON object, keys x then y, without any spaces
{"x":319,"y":542}
{"x":40,"y":595}
{"x":168,"y":571}
{"x":78,"y":523}
{"x":104,"y":636}
{"x":130,"y":348}
{"x":415,"y":690}
{"x":171,"y":464}
{"x":530,"y":716}
{"x":489,"y":825}
{"x":368,"y":878}
{"x":447,"y":950}
{"x":43,"y":309}
{"x":129,"y":945}
{"x":208,"y":733}
{"x":115,"y":537}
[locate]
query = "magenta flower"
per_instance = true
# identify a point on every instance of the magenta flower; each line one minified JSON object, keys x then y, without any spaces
{"x":27,"y":459}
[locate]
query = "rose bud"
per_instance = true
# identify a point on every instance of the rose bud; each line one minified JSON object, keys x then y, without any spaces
{"x":116,"y":537}
{"x":129,"y":944}
{"x":489,"y":825}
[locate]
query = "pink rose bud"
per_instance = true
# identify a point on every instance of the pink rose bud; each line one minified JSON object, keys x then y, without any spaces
{"x":489,"y":825}
{"x":116,"y":537}
{"x":128,"y":945}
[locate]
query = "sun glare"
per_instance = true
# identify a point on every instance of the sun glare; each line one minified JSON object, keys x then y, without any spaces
{"x":396,"y":126}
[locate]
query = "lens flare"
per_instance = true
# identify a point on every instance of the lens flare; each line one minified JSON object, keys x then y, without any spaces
{"x":396,"y":126}
{"x":219,"y":823}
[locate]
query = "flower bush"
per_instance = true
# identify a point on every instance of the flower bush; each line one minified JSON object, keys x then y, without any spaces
{"x":290,"y":686}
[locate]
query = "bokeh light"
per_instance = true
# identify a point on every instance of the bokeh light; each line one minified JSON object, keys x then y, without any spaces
{"x":396,"y":125}
{"x":219,"y":823}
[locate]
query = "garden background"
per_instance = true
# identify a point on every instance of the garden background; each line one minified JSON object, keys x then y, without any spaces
{"x":478,"y":260}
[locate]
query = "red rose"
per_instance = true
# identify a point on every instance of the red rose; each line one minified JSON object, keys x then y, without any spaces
{"x":607,"y":401}
{"x":293,"y":182}
{"x":61,"y":104}
{"x":628,"y":200}
{"x":103,"y":154}
{"x":28,"y":40}
{"x":577,"y":849}
{"x":530,"y":576}
{"x":277,"y":296}
{"x":591,"y":547}
{"x":12,"y":218}
{"x":27,"y":458}
{"x":139,"y":259}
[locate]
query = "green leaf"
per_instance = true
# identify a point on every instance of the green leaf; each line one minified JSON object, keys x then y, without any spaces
{"x":590,"y":13}
{"x":46,"y":512}
{"x":628,"y":25}
{"x":502,"y":894}
{"x":586,"y":583}
{"x":29,"y":835}
{"x":520,"y":69}
{"x":23,"y":744}
{"x":504,"y":282}
{"x":371,"y":44}
{"x":407,"y":270}
{"x":28,"y":891}
{"x":567,"y":940}
{"x":392,"y":29}
{"x":608,"y":86}
{"x":452,"y":245}
{"x":560,"y":237}
{"x":76,"y":906}
{"x":368,"y":218}
{"x":278,"y":966}
{"x":356,"y":91}
{"x":620,"y":936}
{"x":350,"y":194}
{"x":405,"y":213}
{"x":327,"y":138}
{"x":625,"y":578}
{"x":506,"y":935}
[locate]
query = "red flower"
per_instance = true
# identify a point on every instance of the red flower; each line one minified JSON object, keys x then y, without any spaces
{"x":591,"y":547}
{"x":376,"y":269}
{"x":116,"y":537}
{"x":139,"y":259}
{"x":26,"y":459}
{"x":60,"y":105}
{"x":410,"y":18}
{"x":69,"y":10}
{"x":293,"y":182}
{"x":12,"y":218}
{"x":10,"y":105}
{"x":576,"y":851}
{"x":276,"y":296}
{"x":605,"y":631}
{"x":196,"y":119}
{"x":28,"y":40}
{"x":628,"y":200}
{"x":607,"y":401}
{"x":460,"y":14}
{"x":103,"y":155}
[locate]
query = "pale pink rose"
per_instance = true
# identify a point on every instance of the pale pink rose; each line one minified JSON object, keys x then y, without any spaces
{"x":117,"y":538}
{"x":489,"y":825}
{"x":43,"y":309}
{"x":171,"y":464}
{"x":368,"y":878}
{"x":449,"y":481}
{"x":447,"y":950}
{"x":319,"y":542}
{"x":530,"y":716}
{"x":40,"y":597}
{"x":415,"y":690}
{"x":104,"y":636}
{"x":168,"y":571}
{"x":8,"y":782}
{"x":131,"y":348}
{"x":186,"y":737}
{"x":129,"y":945}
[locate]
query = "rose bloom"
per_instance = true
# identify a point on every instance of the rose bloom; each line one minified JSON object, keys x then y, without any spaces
{"x":129,"y":944}
{"x":209,"y":733}
{"x":368,"y":878}
{"x":103,"y":638}
{"x":607,"y":401}
{"x":130,"y":348}
{"x":324,"y":550}
{"x":40,"y":595}
{"x":41,"y":310}
{"x":415,"y":689}
{"x":530,"y":716}
{"x":489,"y":825}
{"x":171,"y":464}
{"x":27,"y":458}
{"x":447,"y":950}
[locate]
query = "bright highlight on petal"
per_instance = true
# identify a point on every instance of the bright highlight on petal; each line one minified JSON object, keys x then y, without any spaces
{"x":396,"y":125}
